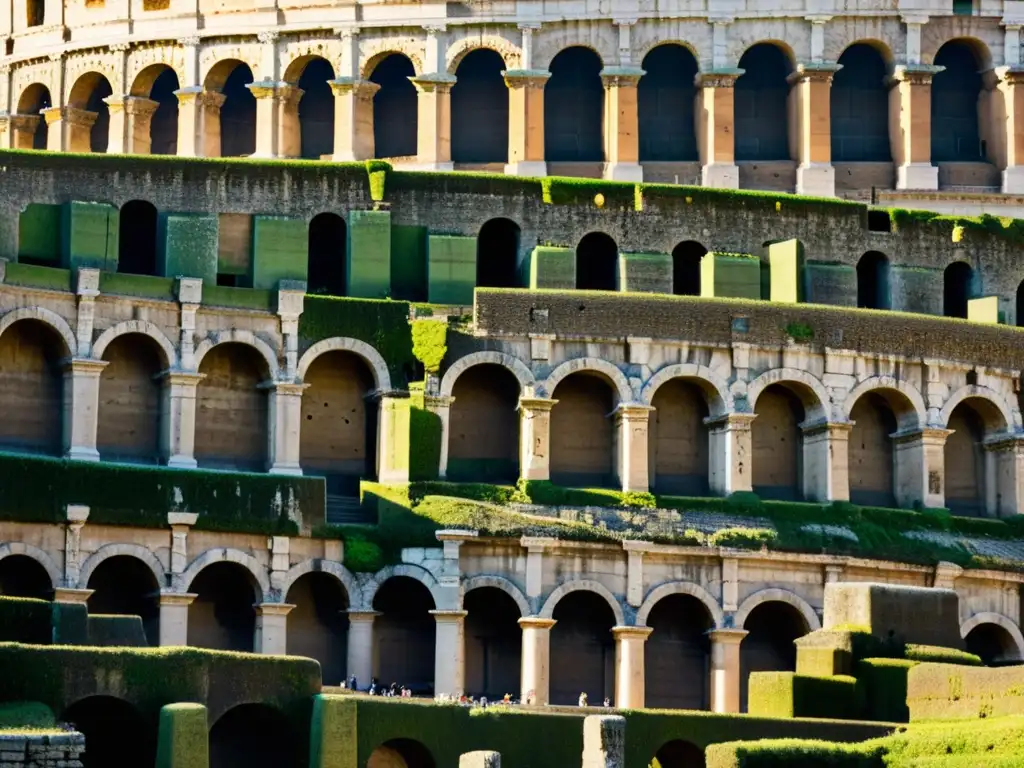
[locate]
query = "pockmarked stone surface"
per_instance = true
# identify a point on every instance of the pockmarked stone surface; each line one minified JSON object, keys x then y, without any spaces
{"x":927,"y":616}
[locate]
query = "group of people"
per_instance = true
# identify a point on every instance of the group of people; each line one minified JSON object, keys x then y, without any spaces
{"x":376,"y":689}
{"x":400,"y":691}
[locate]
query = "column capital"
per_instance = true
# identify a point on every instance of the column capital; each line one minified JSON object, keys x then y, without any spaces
{"x":84,"y":366}
{"x":914,"y":74}
{"x":526,"y":78}
{"x":22,"y":122}
{"x":362,"y":616}
{"x":731,"y":420}
{"x":448,"y":616}
{"x":543,"y":404}
{"x":930,"y":434}
{"x":832,"y":427}
{"x":537,"y":543}
{"x":287,"y":388}
{"x":200,"y":97}
{"x":70,"y":115}
{"x":720,"y":19}
{"x":170,"y":597}
{"x":717,"y":78}
{"x":181,"y":378}
{"x":182,"y":519}
{"x":268,"y":36}
{"x":132,"y":105}
{"x":76,"y":514}
{"x":633,"y":411}
{"x":1010,"y":75}
{"x":727,"y":636}
{"x":189,"y":41}
{"x":632,"y":632}
{"x":914,"y":18}
{"x":346,"y":33}
{"x":274,"y":89}
{"x":616,"y":77}
{"x":454,"y":534}
{"x":815,"y":72}
{"x":1007,"y":441}
{"x":361,"y":89}
{"x":818,"y":18}
{"x":438,"y":401}
{"x":436,"y":83}
{"x":435,"y":29}
{"x":71,"y":595}
{"x":529,"y":26}
{"x":536,"y":622}
{"x":273,"y":609}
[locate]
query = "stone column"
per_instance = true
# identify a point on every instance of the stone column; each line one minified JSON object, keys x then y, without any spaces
{"x":449,"y":653}
{"x":441,"y":406}
{"x":535,"y":438}
{"x":393,"y":438}
{"x":271,"y":635}
{"x":1005,"y":497}
{"x":910,"y":126}
{"x":360,"y":646}
{"x":526,"y":122}
{"x":180,"y":523}
{"x":199,"y":122}
{"x":353,"y":119}
{"x":631,"y":425}
{"x":725,"y":670}
{"x":920,"y":467}
{"x":715,"y":117}
{"x":81,"y":408}
{"x":130,"y":118}
{"x":604,"y":741}
{"x":75,"y":516}
{"x":809,"y":97}
{"x":729,"y":453}
{"x":285,"y":414}
{"x":629,"y":666}
{"x":621,"y":124}
{"x":535,"y":678}
{"x":825,"y":462}
{"x":174,"y":617}
{"x":69,"y":129}
{"x":22,"y":130}
{"x":1011,"y":87}
{"x":277,"y":119}
{"x":178,"y":418}
{"x":434,"y":122}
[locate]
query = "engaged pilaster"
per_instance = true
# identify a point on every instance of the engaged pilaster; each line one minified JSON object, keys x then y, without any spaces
{"x":725,"y":669}
{"x":910,"y":126}
{"x":715,"y":116}
{"x":81,"y":407}
{"x":75,"y":516}
{"x":1004,"y":491}
{"x":629,"y":666}
{"x":621,"y":124}
{"x":631,"y":428}
{"x":178,"y":418}
{"x":825,"y":459}
{"x":285,"y":416}
{"x":174,"y":617}
{"x":199,"y":122}
{"x":130,"y":118}
{"x":69,"y":129}
{"x":535,"y":437}
{"x":1011,"y":88}
{"x":449,"y":652}
{"x":526,"y":122}
{"x":920,"y":467}
{"x":535,"y":674}
{"x":277,"y":119}
{"x":730,"y":451}
{"x":809,"y":95}
{"x":360,"y":646}
{"x":271,"y":636}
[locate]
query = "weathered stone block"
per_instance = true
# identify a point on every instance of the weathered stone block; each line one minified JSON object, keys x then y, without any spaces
{"x":645,"y":272}
{"x":480,"y":759}
{"x":552,"y":268}
{"x":187,"y":246}
{"x":280,"y":250}
{"x":908,"y":614}
{"x":730,"y":275}
{"x":368,"y":272}
{"x":604,"y":741}
{"x":785,"y":260}
{"x":451,"y":269}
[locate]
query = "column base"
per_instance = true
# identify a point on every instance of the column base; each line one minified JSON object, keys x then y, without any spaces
{"x":527,"y":168}
{"x":285,"y":469}
{"x":182,"y":462}
{"x":393,"y":476}
{"x":720,"y":175}
{"x":816,"y":179}
{"x":82,"y":454}
{"x":426,"y":166}
{"x":1013,"y":180}
{"x":624,"y":172}
{"x":917,"y":176}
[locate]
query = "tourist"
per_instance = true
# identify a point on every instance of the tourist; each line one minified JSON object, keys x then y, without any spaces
{"x":607,"y":701}
{"x":583,"y":699}
{"x":352,"y":683}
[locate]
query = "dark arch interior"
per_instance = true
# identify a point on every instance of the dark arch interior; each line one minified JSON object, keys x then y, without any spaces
{"x":222,"y":616}
{"x":415,"y":754}
{"x":137,"y":238}
{"x":597,"y":261}
{"x":686,"y":258}
{"x":497,"y":254}
{"x":993,"y":644}
{"x":318,"y":624}
{"x":35,"y":99}
{"x":493,"y":643}
{"x":956,"y":289}
{"x":238,"y":114}
{"x":32,"y":387}
{"x":761,"y":111}
{"x":128,"y":423}
{"x":327,"y":254}
{"x":1020,"y":305}
{"x":574,"y":108}
{"x":772,"y":628}
{"x":480,"y":109}
{"x":404,"y":634}
{"x":163,"y":128}
{"x":582,"y":650}
{"x":116,"y":733}
{"x":483,"y":443}
{"x":254,"y":736}
{"x":581,"y":432}
{"x":860,"y":107}
{"x":870,"y":448}
{"x":965,"y":460}
{"x":955,"y":93}
{"x":873,"y":281}
{"x":35,"y":12}
{"x":125,"y":586}
{"x":777,"y":443}
{"x":21,"y":576}
{"x":677,"y":668}
{"x":679,"y":754}
{"x":99,"y":137}
{"x":665,"y":103}
{"x":316,"y":109}
{"x":678,"y":439}
{"x":394,"y":107}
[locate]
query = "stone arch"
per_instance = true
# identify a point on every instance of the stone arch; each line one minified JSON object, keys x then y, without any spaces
{"x":1000,"y":621}
{"x":542,"y":56}
{"x":836,"y":47}
{"x":227,"y":555}
{"x":298,"y":63}
{"x":215,"y":70}
{"x":385,"y":48}
{"x":616,"y":377}
{"x":373,"y":358}
{"x":320,"y":565}
{"x":420,"y":574}
{"x":777,"y":596}
{"x":499,"y":582}
{"x":144,"y":327}
{"x":84,"y":81}
{"x":813,"y":393}
{"x":107,"y":551}
{"x":43,"y":315}
{"x":982,"y":53}
{"x":458,"y":50}
{"x":237,"y":336}
{"x":680,"y":588}
{"x":714,"y":387}
{"x":31,"y":96}
{"x":986,"y":394}
{"x":142,"y":84}
{"x":37,"y":554}
{"x":650,"y":45}
{"x":583,"y":585}
{"x":517,"y":367}
{"x":910,"y":395}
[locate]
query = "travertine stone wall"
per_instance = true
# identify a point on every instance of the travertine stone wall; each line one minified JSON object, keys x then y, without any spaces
{"x":58,"y":750}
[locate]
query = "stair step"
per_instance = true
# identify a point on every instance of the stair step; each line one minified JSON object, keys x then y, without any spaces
{"x":343,"y":510}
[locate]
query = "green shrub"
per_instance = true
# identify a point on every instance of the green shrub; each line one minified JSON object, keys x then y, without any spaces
{"x":947,"y":691}
{"x":116,"y":631}
{"x":24,"y":620}
{"x":429,"y":343}
{"x":884,"y":683}
{"x":792,"y":753}
{"x":787,"y":694}
{"x":362,"y":555}
{"x":743,"y":538}
{"x":26,"y":714}
{"x":182,"y":741}
{"x":940,"y":655}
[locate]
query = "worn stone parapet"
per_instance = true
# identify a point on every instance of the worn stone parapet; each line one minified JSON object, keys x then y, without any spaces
{"x":41,"y":750}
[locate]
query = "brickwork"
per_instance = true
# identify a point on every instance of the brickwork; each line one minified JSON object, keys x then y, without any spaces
{"x":57,"y":750}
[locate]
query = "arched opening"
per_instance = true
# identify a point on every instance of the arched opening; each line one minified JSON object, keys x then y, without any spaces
{"x":480,"y":109}
{"x":597,"y":263}
{"x":404,"y":633}
{"x":116,"y":733}
{"x":35,"y":13}
{"x":34,"y":100}
{"x":777,"y":444}
{"x":238,"y":112}
{"x":88,"y":94}
{"x":678,"y":440}
{"x":401,"y":753}
{"x":163,"y":126}
{"x":677,"y":671}
{"x":318,"y":624}
{"x":574,"y":108}
{"x":31,"y":387}
{"x":686,"y":258}
{"x":761,"y":120}
{"x":582,"y":650}
{"x":679,"y":754}
{"x":231,"y":419}
{"x":956,"y":93}
{"x":873,"y":281}
{"x":128,"y":423}
{"x":483,"y":441}
{"x":136,"y":245}
{"x":256,"y":736}
{"x":316,"y":109}
{"x":582,"y":431}
{"x":327,"y":254}
{"x":993,"y":644}
{"x":222,"y":616}
{"x":497,"y":254}
{"x":872,"y":460}
{"x":860,"y":107}
{"x":394,"y":107}
{"x":125,"y":586}
{"x":1020,"y":305}
{"x":965,"y":455}
{"x":956,"y":289}
{"x":665,"y":101}
{"x":493,"y":643}
{"x":772,"y":628}
{"x":338,"y":436}
{"x":22,"y":576}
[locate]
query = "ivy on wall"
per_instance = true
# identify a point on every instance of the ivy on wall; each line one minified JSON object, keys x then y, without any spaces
{"x":429,"y":343}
